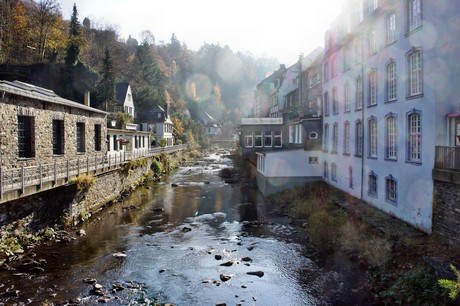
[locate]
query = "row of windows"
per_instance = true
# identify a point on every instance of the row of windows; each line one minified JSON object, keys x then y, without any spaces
{"x":259,"y":139}
{"x":413,"y":19}
{"x":26,"y":137}
{"x":391,"y":184}
{"x":413,"y":135}
{"x":414,"y":85}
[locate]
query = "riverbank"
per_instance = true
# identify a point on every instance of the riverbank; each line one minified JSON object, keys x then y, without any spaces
{"x":20,"y":238}
{"x":403,"y":264}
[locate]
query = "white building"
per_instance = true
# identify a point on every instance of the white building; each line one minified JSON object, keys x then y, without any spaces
{"x":389,"y":82}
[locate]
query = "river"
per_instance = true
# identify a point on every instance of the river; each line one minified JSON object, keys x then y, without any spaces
{"x":190,"y":239}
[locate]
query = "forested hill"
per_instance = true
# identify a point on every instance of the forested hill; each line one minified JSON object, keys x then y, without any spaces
{"x":69,"y":57}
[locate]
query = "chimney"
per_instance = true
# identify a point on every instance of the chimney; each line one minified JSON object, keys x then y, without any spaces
{"x":87,"y":98}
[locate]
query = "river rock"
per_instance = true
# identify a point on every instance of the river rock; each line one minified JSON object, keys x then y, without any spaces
{"x":218,"y":257}
{"x":81,"y":232}
{"x":221,"y":304}
{"x":225,"y":277}
{"x":89,"y":280}
{"x":228,"y":263}
{"x":246,"y":259}
{"x":119,"y":255}
{"x":158,"y":209}
{"x":256,"y":273}
{"x":174,"y":185}
{"x":186,"y":229}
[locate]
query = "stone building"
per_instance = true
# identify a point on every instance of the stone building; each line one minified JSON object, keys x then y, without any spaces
{"x":39,"y":127}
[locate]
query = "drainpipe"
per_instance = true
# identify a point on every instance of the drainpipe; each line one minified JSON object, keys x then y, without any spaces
{"x":362,"y":116}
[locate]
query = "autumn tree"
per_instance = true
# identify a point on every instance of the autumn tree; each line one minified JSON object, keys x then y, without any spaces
{"x":46,"y":17}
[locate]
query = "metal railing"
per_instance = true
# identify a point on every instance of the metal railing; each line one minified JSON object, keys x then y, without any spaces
{"x":23,"y":177}
{"x":447,"y":158}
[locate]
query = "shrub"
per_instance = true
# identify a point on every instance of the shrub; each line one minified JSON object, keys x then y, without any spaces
{"x":84,"y":181}
{"x":156,"y":167}
{"x":320,"y":229}
{"x":414,"y":287}
{"x":452,"y":286}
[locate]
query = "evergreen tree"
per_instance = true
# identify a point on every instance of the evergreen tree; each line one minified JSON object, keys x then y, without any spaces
{"x":106,"y":86}
{"x":75,"y":39}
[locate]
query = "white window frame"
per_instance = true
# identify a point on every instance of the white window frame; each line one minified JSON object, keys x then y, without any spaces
{"x":415,"y":14}
{"x":372,"y":184}
{"x":278,"y":135}
{"x":346,"y":96}
{"x":249,"y":139}
{"x":373,"y":144}
{"x":258,"y":138}
{"x":415,"y":77}
{"x":391,"y":28}
{"x":335,"y":137}
{"x":391,"y":138}
{"x":359,"y":138}
{"x":414,"y":140}
{"x":373,"y":88}
{"x":391,"y":189}
{"x":359,"y":93}
{"x":391,"y":82}
{"x":268,"y":135}
{"x":346,"y":138}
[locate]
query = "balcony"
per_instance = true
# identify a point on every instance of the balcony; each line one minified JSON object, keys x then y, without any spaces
{"x":447,"y":164}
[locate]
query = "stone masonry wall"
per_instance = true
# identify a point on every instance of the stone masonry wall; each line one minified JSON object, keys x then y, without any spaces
{"x":44,"y":113}
{"x":446,"y":214}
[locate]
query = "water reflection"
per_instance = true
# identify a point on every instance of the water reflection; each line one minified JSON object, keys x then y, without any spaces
{"x":170,"y":236}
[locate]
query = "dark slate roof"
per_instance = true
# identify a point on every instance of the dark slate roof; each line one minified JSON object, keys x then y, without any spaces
{"x":122,"y":89}
{"x":151,"y":115}
{"x":42,"y":94}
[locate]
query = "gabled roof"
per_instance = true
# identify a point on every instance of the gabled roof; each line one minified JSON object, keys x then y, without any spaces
{"x":41,"y":94}
{"x":122,"y":89}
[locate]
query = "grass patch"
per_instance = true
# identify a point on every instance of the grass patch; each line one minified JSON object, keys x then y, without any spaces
{"x":83,"y":181}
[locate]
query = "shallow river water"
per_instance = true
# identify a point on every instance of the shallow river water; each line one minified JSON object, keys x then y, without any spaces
{"x":167,"y":244}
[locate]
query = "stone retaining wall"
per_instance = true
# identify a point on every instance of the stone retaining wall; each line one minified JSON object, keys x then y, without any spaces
{"x":446,"y":211}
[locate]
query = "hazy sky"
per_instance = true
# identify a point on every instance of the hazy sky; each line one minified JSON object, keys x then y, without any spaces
{"x":282,"y":29}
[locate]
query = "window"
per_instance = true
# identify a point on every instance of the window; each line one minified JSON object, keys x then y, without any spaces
{"x":26,"y":137}
{"x":258,"y":139}
{"x":372,"y":184}
{"x":346,"y":57}
{"x":414,"y":137}
{"x":326,"y":137}
{"x":391,"y":189}
{"x":58,"y":137}
{"x":350,"y":177}
{"x":81,"y":137}
{"x":373,"y":5}
{"x":391,"y":81}
{"x":390,"y":137}
{"x":415,"y":14}
{"x":313,"y":160}
{"x":97,"y":137}
{"x":334,"y":66}
{"x":346,"y":138}
{"x":335,"y":101}
{"x":346,"y":97}
{"x":334,"y":172}
{"x":415,"y":73}
{"x":326,"y":170}
{"x":358,"y":50}
{"x":359,"y":93}
{"x":372,"y":88}
{"x":326,"y":71}
{"x":371,"y":41}
{"x":261,"y":162}
{"x":249,"y":140}
{"x":335,"y":137}
{"x":391,"y":28}
{"x":326,"y":104}
{"x":278,"y":141}
{"x":268,"y":139}
{"x":359,"y":138}
{"x":372,"y":152}
{"x":115,"y":143}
